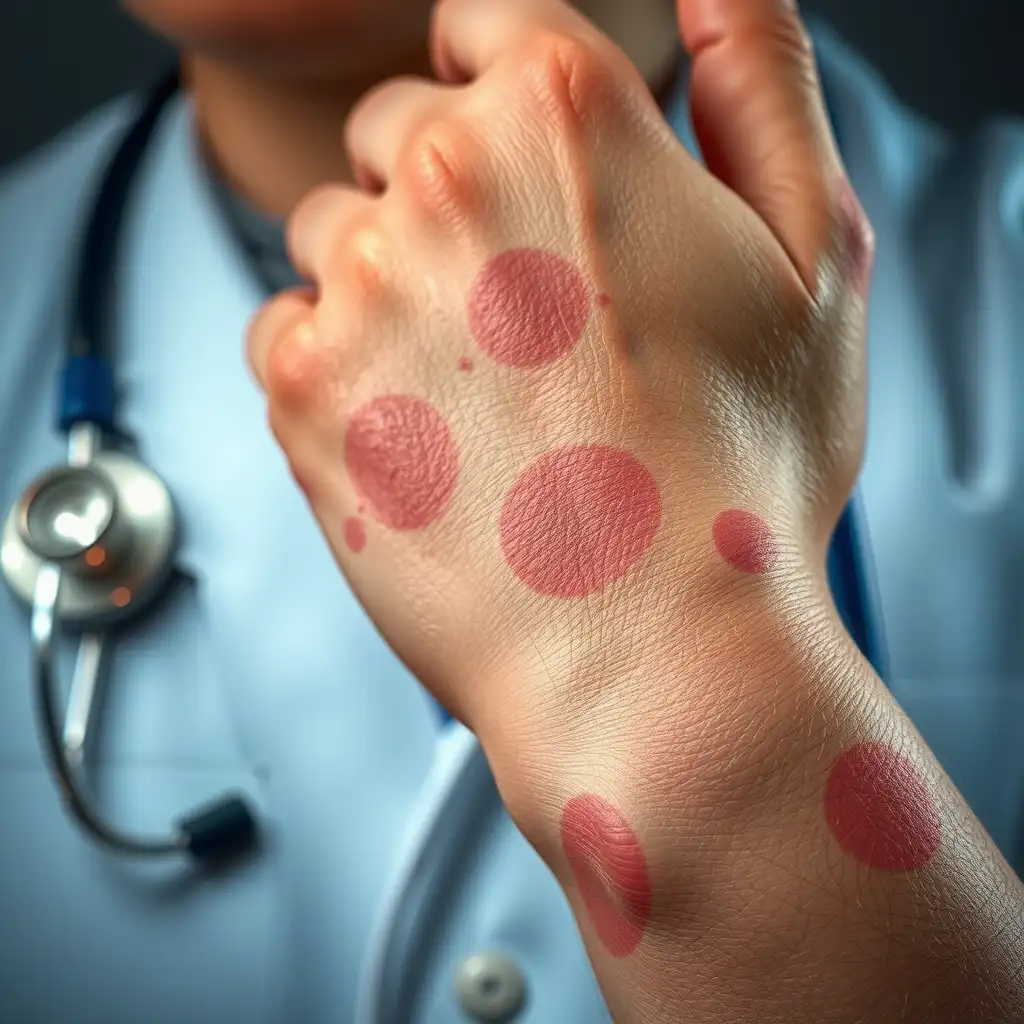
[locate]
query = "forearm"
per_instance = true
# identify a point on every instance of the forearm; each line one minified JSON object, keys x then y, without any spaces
{"x":748,"y":828}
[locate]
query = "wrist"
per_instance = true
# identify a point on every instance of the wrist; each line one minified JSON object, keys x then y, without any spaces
{"x":696,"y":741}
{"x":753,"y":808}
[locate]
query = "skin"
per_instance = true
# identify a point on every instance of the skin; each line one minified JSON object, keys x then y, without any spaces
{"x":744,"y":540}
{"x":744,"y":822}
{"x":273,"y":81}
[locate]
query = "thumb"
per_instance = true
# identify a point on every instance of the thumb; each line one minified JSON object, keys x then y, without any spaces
{"x":760,"y":119}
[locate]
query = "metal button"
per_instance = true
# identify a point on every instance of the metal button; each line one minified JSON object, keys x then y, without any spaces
{"x":490,"y":986}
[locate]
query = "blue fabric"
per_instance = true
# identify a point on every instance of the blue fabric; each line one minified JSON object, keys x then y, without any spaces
{"x":850,"y":567}
{"x":850,"y":578}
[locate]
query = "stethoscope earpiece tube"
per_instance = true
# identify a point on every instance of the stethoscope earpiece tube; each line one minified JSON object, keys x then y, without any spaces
{"x":90,"y":332}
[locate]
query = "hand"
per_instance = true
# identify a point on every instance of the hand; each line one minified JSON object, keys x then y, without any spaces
{"x":558,"y":386}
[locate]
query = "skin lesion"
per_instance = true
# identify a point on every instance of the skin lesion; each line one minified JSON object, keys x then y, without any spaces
{"x":609,"y":868}
{"x":527,"y":307}
{"x":879,"y":810}
{"x":355,"y":534}
{"x":402,"y":460}
{"x":745,"y":541}
{"x":579,"y":518}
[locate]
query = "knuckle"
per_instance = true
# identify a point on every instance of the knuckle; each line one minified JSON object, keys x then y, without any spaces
{"x":306,"y":212}
{"x":296,"y":368}
{"x":789,"y":35}
{"x":364,"y":263}
{"x":570,"y":77}
{"x":444,"y":170}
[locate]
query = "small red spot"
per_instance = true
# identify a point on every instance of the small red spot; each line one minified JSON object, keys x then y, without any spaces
{"x":604,"y":300}
{"x":744,"y":540}
{"x":858,"y":238}
{"x":879,"y":809}
{"x":355,"y":534}
{"x":579,"y":518}
{"x":402,"y":459}
{"x":610,"y":869}
{"x":527,"y":307}
{"x":465,"y":364}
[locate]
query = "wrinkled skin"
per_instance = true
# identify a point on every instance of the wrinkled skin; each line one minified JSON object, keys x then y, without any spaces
{"x":723,"y":344}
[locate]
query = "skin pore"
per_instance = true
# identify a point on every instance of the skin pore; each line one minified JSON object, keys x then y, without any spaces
{"x":273,"y":83}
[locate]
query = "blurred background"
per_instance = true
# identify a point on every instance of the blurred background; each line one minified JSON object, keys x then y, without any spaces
{"x":956,"y":60}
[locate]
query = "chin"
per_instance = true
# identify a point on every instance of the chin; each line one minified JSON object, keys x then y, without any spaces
{"x":303,"y":35}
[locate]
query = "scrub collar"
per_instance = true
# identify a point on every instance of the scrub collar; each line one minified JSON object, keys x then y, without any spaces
{"x":260,"y":236}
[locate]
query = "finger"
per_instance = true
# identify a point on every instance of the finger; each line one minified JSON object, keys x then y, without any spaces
{"x":382,"y":122}
{"x":319,"y":223}
{"x":467,"y":37}
{"x":283,"y":313}
{"x":760,"y":117}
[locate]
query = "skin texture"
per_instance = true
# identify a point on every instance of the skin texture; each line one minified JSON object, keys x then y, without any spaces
{"x":880,"y":810}
{"x":527,"y":307}
{"x":355,"y":534}
{"x":858,"y":237}
{"x":744,"y":540}
{"x":402,"y":460}
{"x":578,"y":519}
{"x":546,"y":571}
{"x":610,"y":870}
{"x":272,"y":80}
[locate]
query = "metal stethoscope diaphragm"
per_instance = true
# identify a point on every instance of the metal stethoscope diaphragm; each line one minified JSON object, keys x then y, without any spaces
{"x":91,"y":544}
{"x":87,"y":546}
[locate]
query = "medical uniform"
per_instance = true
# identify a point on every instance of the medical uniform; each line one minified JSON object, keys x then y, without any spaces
{"x":392,"y":886}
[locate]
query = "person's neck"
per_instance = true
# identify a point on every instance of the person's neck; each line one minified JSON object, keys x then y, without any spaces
{"x":274,"y":139}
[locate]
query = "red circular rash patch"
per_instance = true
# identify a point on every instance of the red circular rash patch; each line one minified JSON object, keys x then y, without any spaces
{"x":744,"y":540}
{"x":355,"y":534}
{"x":579,"y":518}
{"x":527,"y":307}
{"x":465,"y":365}
{"x":858,"y":243}
{"x":610,"y":869}
{"x":402,"y":460}
{"x":879,"y":809}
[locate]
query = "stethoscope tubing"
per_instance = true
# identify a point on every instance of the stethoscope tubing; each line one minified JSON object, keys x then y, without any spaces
{"x":86,"y":410}
{"x":71,"y":787}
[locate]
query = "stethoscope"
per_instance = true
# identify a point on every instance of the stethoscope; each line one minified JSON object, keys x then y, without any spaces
{"x":91,"y":544}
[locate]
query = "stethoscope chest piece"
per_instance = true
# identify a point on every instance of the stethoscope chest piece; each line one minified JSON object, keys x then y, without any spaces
{"x":91,"y":543}
{"x":110,"y":526}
